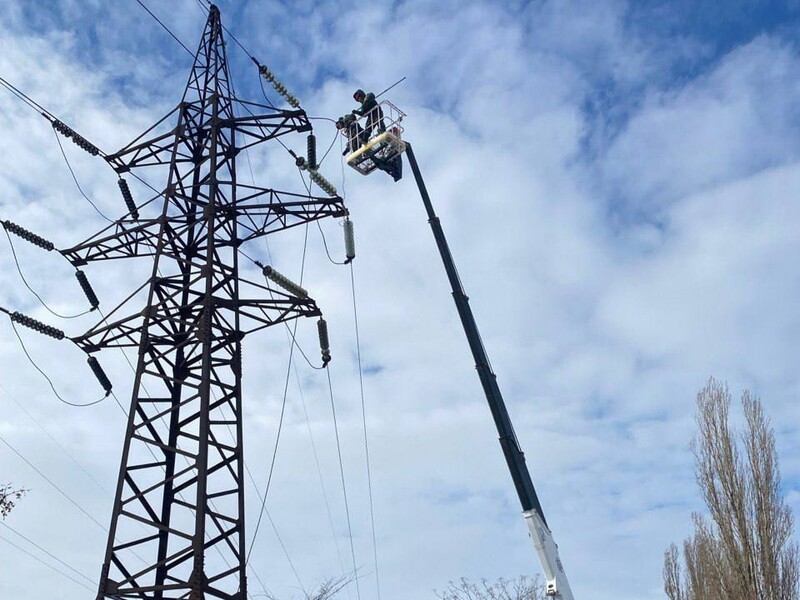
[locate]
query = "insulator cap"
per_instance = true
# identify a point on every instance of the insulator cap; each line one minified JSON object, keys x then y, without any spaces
{"x":30,"y":323}
{"x":128,"y":198}
{"x":284,"y":282}
{"x":324,"y":341}
{"x":76,"y":138}
{"x":100,"y":374}
{"x":311,"y":147}
{"x":87,"y":289}
{"x":349,"y":240}
{"x":325,"y":185}
{"x":28,"y":236}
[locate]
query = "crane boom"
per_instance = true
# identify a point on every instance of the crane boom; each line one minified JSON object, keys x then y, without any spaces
{"x":556,"y":579}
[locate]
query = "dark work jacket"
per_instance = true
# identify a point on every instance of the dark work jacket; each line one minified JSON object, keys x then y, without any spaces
{"x":375,"y":118}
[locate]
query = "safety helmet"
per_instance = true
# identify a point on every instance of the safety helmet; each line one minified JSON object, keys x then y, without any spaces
{"x":358,"y":95}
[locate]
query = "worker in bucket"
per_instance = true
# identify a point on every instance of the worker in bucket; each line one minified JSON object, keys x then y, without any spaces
{"x":356,"y":136}
{"x":372,"y":110}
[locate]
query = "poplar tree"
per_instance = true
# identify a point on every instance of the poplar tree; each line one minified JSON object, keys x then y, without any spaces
{"x":742,"y":549}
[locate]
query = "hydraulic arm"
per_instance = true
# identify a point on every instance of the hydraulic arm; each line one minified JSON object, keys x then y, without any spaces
{"x":546,"y":548}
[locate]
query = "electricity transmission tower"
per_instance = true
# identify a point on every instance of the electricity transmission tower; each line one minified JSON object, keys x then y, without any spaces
{"x":177,"y":527}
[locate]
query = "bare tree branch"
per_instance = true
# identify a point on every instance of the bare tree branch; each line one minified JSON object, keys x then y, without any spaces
{"x":744,"y":551}
{"x":522,"y":588}
{"x":8,"y":498}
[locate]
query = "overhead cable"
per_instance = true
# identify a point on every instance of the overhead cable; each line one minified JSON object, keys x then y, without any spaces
{"x":32,"y":291}
{"x":48,"y":553}
{"x":43,"y":374}
{"x":282,"y":415}
{"x":366,"y":437}
{"x":27,"y":99}
{"x":49,"y":566}
{"x":75,"y":179}
{"x":167,"y":29}
{"x":64,"y":451}
{"x":344,"y":484}
{"x":53,"y":485}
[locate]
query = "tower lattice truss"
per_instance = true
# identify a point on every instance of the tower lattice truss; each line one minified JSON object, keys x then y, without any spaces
{"x":177,"y":528}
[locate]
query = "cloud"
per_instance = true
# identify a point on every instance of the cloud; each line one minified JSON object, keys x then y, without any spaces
{"x":620,"y":206}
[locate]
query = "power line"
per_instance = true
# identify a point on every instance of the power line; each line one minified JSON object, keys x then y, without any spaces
{"x":50,"y":381}
{"x":274,"y":457}
{"x":60,"y":491}
{"x":49,"y":566}
{"x":75,"y":179}
{"x":324,"y":156}
{"x":27,"y":99}
{"x":366,"y":438}
{"x":54,"y":440}
{"x":319,"y":468}
{"x":344,"y":485}
{"x":283,"y":414}
{"x":27,"y":285}
{"x":50,"y":554}
{"x":53,"y":485}
{"x":325,"y":245}
{"x":167,"y":29}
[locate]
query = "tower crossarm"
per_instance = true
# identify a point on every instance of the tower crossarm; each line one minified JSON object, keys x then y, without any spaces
{"x":142,"y":148}
{"x":260,"y":313}
{"x":171,"y":322}
{"x":255,"y":129}
{"x":125,"y":238}
{"x":191,"y":135}
{"x":262,"y":210}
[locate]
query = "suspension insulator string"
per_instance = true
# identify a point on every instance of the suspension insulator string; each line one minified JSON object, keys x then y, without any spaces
{"x":324,"y":341}
{"x":284,"y":282}
{"x":311,"y":151}
{"x":128,"y":198}
{"x":315,"y":176}
{"x":323,"y":184}
{"x":94,"y":302}
{"x":28,"y":236}
{"x":31,"y":323}
{"x":349,"y":241}
{"x":276,"y":83}
{"x":105,"y":383}
{"x":76,"y":138}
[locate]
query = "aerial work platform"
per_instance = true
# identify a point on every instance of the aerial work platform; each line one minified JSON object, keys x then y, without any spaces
{"x":375,"y":139}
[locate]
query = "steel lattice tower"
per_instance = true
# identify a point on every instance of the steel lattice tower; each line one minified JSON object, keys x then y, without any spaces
{"x":177,"y":527}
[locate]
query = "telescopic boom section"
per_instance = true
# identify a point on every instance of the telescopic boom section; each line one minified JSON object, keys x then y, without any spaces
{"x":546,"y":548}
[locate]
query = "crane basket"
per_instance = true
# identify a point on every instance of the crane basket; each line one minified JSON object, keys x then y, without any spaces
{"x":375,"y":138}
